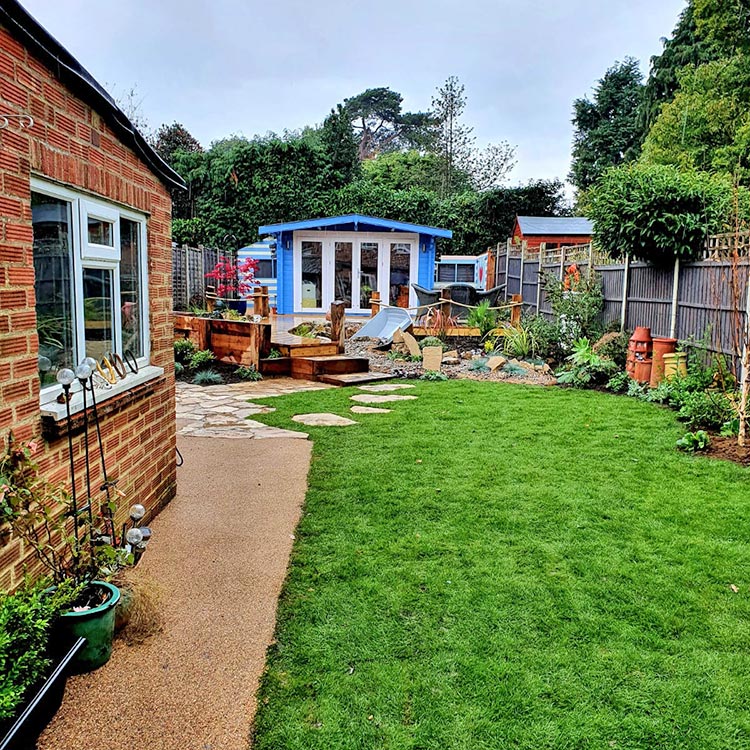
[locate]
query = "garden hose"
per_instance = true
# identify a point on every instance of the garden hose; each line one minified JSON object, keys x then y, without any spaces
{"x":110,"y":376}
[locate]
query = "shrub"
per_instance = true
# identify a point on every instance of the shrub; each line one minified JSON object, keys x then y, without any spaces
{"x":546,"y":336}
{"x":576,"y":310}
{"x":248,"y":373}
{"x":705,"y":409}
{"x":482,"y":317}
{"x":658,"y":213}
{"x":179,"y":369}
{"x":25,"y":621}
{"x":518,"y":343}
{"x":274,"y":354}
{"x":432,"y":341}
{"x":184,"y":350}
{"x":200,"y":359}
{"x":586,"y":368}
{"x":694,"y":441}
{"x":207,"y":377}
{"x":434,"y":376}
{"x":614,"y":346}
{"x":619,"y":383}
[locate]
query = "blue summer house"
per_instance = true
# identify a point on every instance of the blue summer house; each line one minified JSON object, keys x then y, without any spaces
{"x":346,"y":258}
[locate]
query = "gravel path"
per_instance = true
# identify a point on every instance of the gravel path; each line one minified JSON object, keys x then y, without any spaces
{"x":220,"y":552}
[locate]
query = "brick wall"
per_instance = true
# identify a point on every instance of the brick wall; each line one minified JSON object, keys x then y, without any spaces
{"x":70,"y":144}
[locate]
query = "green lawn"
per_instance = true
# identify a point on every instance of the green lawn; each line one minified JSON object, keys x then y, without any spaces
{"x":498,"y":566}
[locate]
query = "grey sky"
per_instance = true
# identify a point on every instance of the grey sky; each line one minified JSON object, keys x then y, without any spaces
{"x":227,"y":66}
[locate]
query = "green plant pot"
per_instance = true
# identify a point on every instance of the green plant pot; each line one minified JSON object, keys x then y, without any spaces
{"x":96,"y":625}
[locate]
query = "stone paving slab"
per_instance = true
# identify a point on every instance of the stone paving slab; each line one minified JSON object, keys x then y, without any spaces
{"x":223,"y":410}
{"x":323,"y":419}
{"x":370,"y":410}
{"x":385,"y":387}
{"x":371,"y":398}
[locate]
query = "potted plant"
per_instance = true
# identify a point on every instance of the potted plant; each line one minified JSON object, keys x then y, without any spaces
{"x":73,"y":544}
{"x":234,"y":280}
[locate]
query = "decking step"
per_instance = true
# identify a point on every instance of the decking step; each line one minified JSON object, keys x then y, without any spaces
{"x":314,"y":349}
{"x":311,"y":368}
{"x":355,"y":378}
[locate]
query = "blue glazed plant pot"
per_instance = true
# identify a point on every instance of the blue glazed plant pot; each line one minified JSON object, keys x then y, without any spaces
{"x":238,"y":305}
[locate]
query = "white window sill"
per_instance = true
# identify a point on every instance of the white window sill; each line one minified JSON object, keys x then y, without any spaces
{"x":58,"y":412}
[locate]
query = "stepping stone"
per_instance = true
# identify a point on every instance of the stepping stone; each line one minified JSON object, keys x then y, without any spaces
{"x":370,"y":410}
{"x":385,"y":387}
{"x":323,"y":420}
{"x":367,"y":398}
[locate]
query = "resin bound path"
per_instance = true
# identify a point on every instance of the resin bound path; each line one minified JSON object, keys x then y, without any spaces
{"x":219,"y":554}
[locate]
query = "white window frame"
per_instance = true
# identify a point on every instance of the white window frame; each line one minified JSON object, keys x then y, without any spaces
{"x":328,"y":240}
{"x":89,"y":255}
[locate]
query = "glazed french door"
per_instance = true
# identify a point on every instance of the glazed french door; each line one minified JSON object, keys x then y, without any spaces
{"x":348,"y":267}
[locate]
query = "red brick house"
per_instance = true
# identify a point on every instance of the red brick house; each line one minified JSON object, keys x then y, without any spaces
{"x":553,"y":231}
{"x":85,"y":268}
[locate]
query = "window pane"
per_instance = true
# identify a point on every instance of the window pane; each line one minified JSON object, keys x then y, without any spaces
{"x":400,"y":265}
{"x":446,"y":273}
{"x":97,"y":311}
{"x":53,"y":271}
{"x":131,"y":299}
{"x":312,"y":274}
{"x":465,"y":272}
{"x":343,"y":273}
{"x":368,"y":280}
{"x":266,"y":269}
{"x":100,"y":232}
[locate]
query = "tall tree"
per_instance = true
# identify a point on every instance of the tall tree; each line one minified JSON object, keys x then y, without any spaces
{"x":175,"y":144}
{"x":381,"y":126}
{"x":686,"y":47}
{"x":454,"y":142}
{"x":707,"y":124}
{"x":725,"y":24}
{"x":339,"y":143}
{"x":607,"y":131}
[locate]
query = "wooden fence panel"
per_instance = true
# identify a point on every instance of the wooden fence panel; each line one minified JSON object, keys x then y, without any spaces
{"x":530,"y":280}
{"x":500,"y":279}
{"x":514,"y":275}
{"x":649,"y":298}
{"x":612,"y":278}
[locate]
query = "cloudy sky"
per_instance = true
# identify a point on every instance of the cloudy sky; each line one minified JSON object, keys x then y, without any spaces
{"x":225,"y":67}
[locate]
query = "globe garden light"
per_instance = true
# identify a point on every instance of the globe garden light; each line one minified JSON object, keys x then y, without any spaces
{"x":65,"y":377}
{"x":134,"y":536}
{"x":137,"y":512}
{"x":44,"y":364}
{"x":91,"y":362}
{"x":83,"y":371}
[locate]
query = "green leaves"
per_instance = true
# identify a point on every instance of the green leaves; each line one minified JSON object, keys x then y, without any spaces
{"x":656,"y":213}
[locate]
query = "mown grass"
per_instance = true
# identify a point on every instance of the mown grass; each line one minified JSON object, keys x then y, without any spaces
{"x":497,"y":566}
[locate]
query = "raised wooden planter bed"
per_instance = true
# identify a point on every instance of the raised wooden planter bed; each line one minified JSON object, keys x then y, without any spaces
{"x":236,"y":342}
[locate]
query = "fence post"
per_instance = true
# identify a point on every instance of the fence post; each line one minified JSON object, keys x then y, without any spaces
{"x":520,"y":281}
{"x":562,"y":263}
{"x":675,"y":289}
{"x":591,"y":260}
{"x":624,"y":306}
